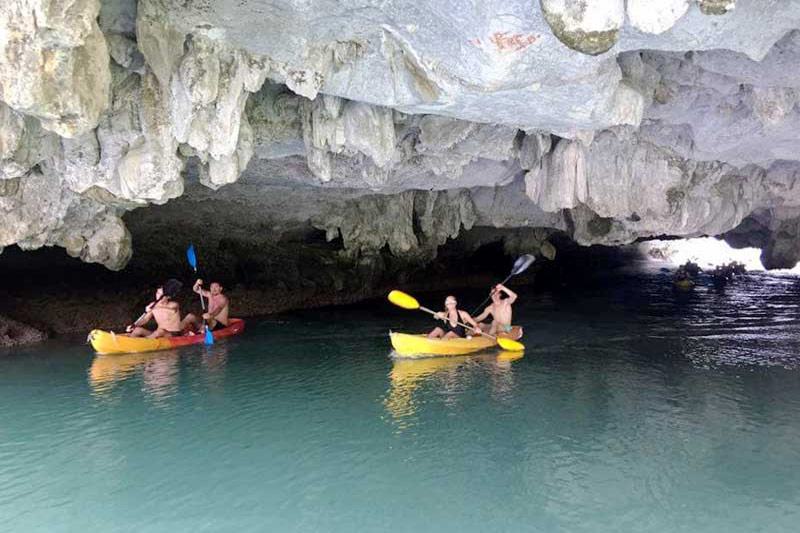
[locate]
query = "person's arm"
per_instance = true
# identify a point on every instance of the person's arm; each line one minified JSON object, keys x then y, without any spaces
{"x":483,"y":316}
{"x":512,"y":296}
{"x":469,"y":320}
{"x":144,"y":319}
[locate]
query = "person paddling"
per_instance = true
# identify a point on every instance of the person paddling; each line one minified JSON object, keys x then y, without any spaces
{"x":218,"y":305}
{"x":500,"y":310}
{"x":451,"y":316}
{"x":164,"y":310}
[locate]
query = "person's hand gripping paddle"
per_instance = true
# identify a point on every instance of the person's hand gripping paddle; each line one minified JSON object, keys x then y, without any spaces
{"x":190,"y":255}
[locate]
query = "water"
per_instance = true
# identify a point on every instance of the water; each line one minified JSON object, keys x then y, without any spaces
{"x":633,"y":409}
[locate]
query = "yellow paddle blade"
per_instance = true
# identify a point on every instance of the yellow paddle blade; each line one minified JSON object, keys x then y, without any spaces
{"x":403,"y":300}
{"x":510,"y":345}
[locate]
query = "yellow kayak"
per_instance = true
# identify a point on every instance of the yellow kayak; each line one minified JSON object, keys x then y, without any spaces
{"x":684,"y":284}
{"x":107,"y":342}
{"x":407,"y":344}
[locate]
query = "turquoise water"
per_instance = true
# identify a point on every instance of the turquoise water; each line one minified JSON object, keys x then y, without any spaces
{"x":633,"y":409}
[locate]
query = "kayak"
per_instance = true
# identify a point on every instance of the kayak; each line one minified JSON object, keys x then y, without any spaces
{"x":108,"y":342}
{"x":406,"y":344}
{"x":684,"y":284}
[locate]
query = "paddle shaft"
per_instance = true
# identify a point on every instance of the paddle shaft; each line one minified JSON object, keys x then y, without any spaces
{"x":193,"y":263}
{"x":457,"y":322}
{"x":202,"y":302}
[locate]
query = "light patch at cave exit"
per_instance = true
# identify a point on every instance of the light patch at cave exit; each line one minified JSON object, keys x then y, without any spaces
{"x":706,"y":252}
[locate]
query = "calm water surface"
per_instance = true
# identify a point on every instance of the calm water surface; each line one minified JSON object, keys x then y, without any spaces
{"x":633,"y":409}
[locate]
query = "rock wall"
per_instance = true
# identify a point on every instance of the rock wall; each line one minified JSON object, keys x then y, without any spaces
{"x":13,"y":333}
{"x":397,"y":126}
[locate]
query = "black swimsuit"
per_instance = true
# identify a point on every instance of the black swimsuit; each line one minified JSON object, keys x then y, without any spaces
{"x":458,"y":329}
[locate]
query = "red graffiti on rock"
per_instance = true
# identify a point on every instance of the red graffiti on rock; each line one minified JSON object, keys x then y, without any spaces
{"x":512,"y":42}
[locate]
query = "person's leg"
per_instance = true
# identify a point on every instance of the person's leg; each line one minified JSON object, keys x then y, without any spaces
{"x":139,"y":331}
{"x":189,"y":321}
{"x":160,"y":332}
{"x":436,"y":333}
{"x":451,"y":335}
{"x":514,"y":333}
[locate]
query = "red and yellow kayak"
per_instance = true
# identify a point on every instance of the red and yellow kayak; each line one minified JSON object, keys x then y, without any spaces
{"x":108,"y":342}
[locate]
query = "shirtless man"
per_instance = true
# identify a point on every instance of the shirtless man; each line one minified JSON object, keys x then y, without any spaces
{"x":217,"y":315}
{"x":167,"y":314}
{"x":500,"y":309}
{"x":451,"y":315}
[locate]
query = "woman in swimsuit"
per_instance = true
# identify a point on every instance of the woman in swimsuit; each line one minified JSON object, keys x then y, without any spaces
{"x":451,"y":316}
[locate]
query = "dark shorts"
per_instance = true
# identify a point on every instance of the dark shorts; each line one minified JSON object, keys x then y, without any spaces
{"x":174,"y":333}
{"x":218,"y":325}
{"x":458,"y":329}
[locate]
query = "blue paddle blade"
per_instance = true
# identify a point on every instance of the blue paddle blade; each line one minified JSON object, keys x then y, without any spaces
{"x":209,"y":336}
{"x":191,"y":257}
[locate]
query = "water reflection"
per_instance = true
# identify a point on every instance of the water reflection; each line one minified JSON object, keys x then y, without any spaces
{"x":159,"y":371}
{"x":213,"y":362}
{"x":407,"y":375}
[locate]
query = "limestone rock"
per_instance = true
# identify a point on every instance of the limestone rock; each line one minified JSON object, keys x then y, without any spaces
{"x":274,"y":116}
{"x":118,"y":17}
{"x":14,"y":333}
{"x":716,"y":7}
{"x":548,"y":250}
{"x":125,"y":52}
{"x":655,"y":16}
{"x":376,"y":221}
{"x":722,"y":106}
{"x":25,"y":144}
{"x":402,"y":127}
{"x":534,"y":147}
{"x":42,"y":212}
{"x":132,"y":154}
{"x":54,"y":63}
{"x":588,"y":26}
{"x":620,"y":188}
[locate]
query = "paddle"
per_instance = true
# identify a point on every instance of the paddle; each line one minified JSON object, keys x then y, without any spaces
{"x":190,"y":255}
{"x":170,"y":289}
{"x":407,"y":301}
{"x":520,"y":265}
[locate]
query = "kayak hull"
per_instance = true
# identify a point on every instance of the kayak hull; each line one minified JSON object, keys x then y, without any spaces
{"x":683,"y":285}
{"x":406,"y":344}
{"x":107,"y":342}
